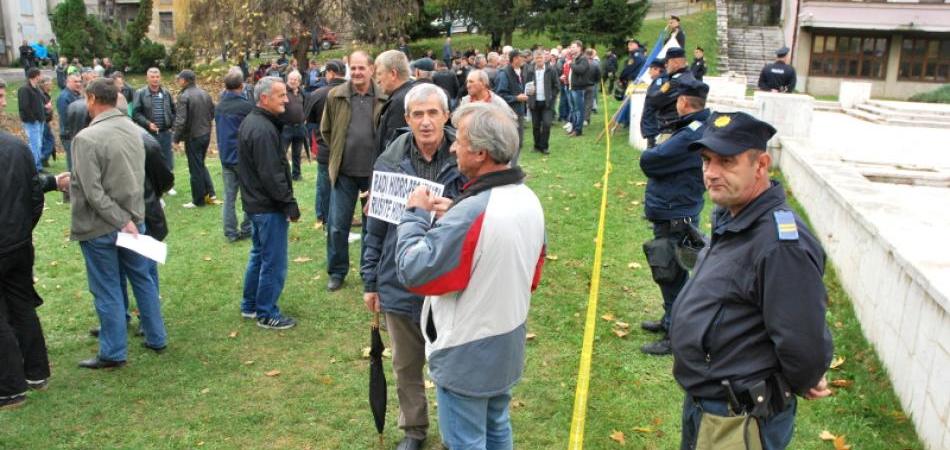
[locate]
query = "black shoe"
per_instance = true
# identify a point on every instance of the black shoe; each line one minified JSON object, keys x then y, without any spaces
{"x":14,"y":401}
{"x":38,"y":385}
{"x":297,"y":177}
{"x":545,"y":151}
{"x":409,"y":443}
{"x":158,"y":350}
{"x":96,"y":363}
{"x":660,"y":348}
{"x":653,"y":326}
{"x":334,"y":284}
{"x":276,"y":323}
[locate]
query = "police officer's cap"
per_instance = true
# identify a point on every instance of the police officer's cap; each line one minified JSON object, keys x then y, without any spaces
{"x":423,"y":64}
{"x":633,"y":40}
{"x":781,"y":52}
{"x":729,"y":134}
{"x":693,"y":88}
{"x":675,"y":52}
{"x":658,"y":62}
{"x":336,"y":66}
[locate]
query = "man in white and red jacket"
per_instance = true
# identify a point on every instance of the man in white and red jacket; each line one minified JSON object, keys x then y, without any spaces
{"x":477,"y":265}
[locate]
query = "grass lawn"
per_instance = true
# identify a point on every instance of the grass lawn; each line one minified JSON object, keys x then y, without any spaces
{"x":210,"y":389}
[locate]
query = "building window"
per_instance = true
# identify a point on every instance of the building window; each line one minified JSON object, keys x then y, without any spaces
{"x":26,"y":7}
{"x":848,"y":55}
{"x":924,"y":59}
{"x":166,"y":26}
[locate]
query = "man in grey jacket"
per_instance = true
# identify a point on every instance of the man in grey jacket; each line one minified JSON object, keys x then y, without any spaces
{"x":193,"y":126}
{"x":424,"y":153}
{"x":107,"y":198}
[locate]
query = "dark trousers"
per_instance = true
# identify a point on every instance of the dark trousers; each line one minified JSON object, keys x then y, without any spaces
{"x":196,"y":149}
{"x":776,"y":430}
{"x":520,"y":123}
{"x":541,"y":117}
{"x":69,"y":154}
{"x":343,"y":196}
{"x":564,"y":106}
{"x":296,"y":137}
{"x":322,"y":203}
{"x":675,"y":230}
{"x":22,"y":346}
{"x":165,"y":142}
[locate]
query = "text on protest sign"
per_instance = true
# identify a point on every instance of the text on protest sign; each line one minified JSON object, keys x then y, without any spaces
{"x":390,"y":192}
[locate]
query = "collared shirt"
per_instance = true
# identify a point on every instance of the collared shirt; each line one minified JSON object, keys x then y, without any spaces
{"x":429,"y":169}
{"x":539,"y":84}
{"x":359,"y":152}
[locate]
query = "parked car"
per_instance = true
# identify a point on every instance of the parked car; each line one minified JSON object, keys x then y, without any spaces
{"x":459,"y":25}
{"x":326,"y":40}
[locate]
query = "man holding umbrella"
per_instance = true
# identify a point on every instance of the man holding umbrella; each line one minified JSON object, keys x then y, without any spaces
{"x":423,"y":152}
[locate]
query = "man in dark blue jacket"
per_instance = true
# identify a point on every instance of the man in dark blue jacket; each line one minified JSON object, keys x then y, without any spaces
{"x":509,"y":85}
{"x":231,"y":111}
{"x":674,"y":200}
{"x":649,"y":127}
{"x":423,"y":152}
{"x":67,"y":96}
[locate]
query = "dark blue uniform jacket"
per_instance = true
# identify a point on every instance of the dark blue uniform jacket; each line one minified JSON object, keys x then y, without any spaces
{"x":675,"y":174}
{"x":754,"y":306}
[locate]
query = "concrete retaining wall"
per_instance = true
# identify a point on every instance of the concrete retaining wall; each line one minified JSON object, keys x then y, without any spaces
{"x":901,"y":313}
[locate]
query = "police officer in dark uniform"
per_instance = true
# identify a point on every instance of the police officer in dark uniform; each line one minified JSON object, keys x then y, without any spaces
{"x":778,"y":76}
{"x":663,"y":100}
{"x":631,"y":67}
{"x":698,"y":67}
{"x":748,"y":329}
{"x":649,"y":127}
{"x":674,"y":200}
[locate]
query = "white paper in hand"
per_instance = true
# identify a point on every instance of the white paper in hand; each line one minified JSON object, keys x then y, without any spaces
{"x":144,"y":245}
{"x":390,"y":192}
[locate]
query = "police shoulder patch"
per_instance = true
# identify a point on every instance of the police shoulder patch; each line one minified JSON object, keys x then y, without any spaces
{"x":665,"y":88}
{"x":786,"y":226}
{"x":694,"y":125}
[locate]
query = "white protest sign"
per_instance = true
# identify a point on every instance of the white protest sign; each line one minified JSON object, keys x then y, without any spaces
{"x":390,"y":191}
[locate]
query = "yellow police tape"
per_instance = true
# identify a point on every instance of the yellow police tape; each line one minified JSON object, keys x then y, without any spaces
{"x":576,"y":441}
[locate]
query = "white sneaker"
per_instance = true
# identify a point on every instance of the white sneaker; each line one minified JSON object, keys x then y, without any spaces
{"x":569,"y":127}
{"x":189,"y":205}
{"x":566,"y":125}
{"x":172,"y":191}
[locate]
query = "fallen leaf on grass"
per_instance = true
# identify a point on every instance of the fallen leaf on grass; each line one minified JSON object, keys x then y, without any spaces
{"x":836,"y":362}
{"x":643,"y":429}
{"x":551,"y":257}
{"x":233,"y":334}
{"x":619,"y":437}
{"x":826,"y":436}
{"x":530,"y":336}
{"x":623,"y":325}
{"x":207,"y":258}
{"x":641,"y":183}
{"x":597,"y":185}
{"x":272,"y":373}
{"x":842,"y":383}
{"x":248,"y":362}
{"x":620,"y":333}
{"x":326,"y":380}
{"x":634,"y":265}
{"x":515,"y":404}
{"x":205,"y":390}
{"x":608,"y":317}
{"x":840,"y":443}
{"x":302,"y":259}
{"x":366,"y":352}
{"x":54,"y":263}
{"x":429,"y":384}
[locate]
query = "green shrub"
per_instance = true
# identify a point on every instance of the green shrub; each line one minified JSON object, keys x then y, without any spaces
{"x":148,"y":54}
{"x":939,"y":95}
{"x":182,"y":54}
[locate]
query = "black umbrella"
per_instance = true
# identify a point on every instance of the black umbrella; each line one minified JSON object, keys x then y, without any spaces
{"x":377,"y":379}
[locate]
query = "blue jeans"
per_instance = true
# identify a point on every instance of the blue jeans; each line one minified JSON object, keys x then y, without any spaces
{"x":776,"y":431}
{"x":564,"y":105}
{"x":34,"y":133}
{"x":232,"y":187}
{"x":577,"y":111}
{"x":165,"y":141}
{"x":322,"y":204}
{"x":49,"y":143}
{"x":267,"y":265}
{"x":343,"y":198}
{"x":470,"y":423}
{"x":105,"y":265}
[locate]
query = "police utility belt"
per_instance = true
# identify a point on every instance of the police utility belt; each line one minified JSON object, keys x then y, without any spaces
{"x":740,"y":430}
{"x":670,"y":253}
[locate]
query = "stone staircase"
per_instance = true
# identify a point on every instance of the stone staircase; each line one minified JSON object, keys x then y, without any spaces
{"x":906,"y":114}
{"x":750,"y":48}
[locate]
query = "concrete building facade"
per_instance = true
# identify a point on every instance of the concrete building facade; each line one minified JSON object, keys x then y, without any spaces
{"x":23,"y":20}
{"x":901,"y":46}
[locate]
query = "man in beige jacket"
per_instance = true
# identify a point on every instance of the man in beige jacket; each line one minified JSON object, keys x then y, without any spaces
{"x":106,"y":193}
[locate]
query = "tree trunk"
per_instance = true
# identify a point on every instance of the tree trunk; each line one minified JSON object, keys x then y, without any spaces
{"x":508,"y":36}
{"x":300,"y":51}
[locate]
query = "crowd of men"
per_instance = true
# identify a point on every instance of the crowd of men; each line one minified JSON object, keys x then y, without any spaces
{"x":743,"y":310}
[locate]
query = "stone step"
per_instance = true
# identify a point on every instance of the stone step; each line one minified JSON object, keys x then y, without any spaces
{"x":913,"y":107}
{"x":861,"y":114}
{"x":891,"y":114}
{"x":918,"y":123}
